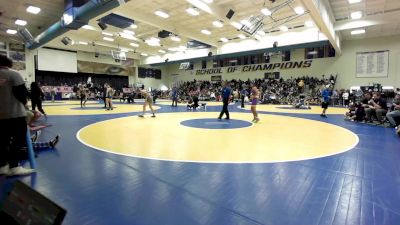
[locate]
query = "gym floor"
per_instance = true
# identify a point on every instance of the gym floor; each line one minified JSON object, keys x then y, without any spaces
{"x":184,"y":167}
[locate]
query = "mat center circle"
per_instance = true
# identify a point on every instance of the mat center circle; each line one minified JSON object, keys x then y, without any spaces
{"x":213,"y":123}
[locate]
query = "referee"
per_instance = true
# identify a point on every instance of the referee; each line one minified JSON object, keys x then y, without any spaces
{"x":326,"y":97}
{"x":226,"y":95}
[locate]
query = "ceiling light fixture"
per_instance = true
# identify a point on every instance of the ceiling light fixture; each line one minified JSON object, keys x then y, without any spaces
{"x":153,"y":41}
{"x":257,"y":36}
{"x":299,"y":10}
{"x":208,"y":1}
{"x":175,"y":38}
{"x":129,"y":32}
{"x":192,"y":11}
{"x":107,"y":34}
{"x":224,"y":39}
{"x":354,"y":1}
{"x":356,"y":15}
{"x":161,"y":14}
{"x":261,"y":33}
{"x":134,"y":45}
{"x":133,"y":26}
{"x":284,"y":28}
{"x":237,"y":25}
{"x":20,"y":22}
{"x":88,"y":27}
{"x":127,"y":36}
{"x":206,"y":32}
{"x":242,"y":36}
{"x":11,"y":31}
{"x":83,"y":43}
{"x":359,"y":31}
{"x":161,"y":51}
{"x":266,"y":12}
{"x":33,"y":9}
{"x":245,"y":22}
{"x":143,"y":54}
{"x":218,"y":24}
{"x":108,"y":39}
{"x":309,"y":23}
{"x":67,"y":18}
{"x":200,"y":5}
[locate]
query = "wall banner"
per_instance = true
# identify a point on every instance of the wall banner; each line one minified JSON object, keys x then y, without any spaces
{"x":257,"y":67}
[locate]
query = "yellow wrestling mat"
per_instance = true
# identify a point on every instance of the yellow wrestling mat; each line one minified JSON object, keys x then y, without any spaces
{"x":93,"y":109}
{"x":44,"y":103}
{"x":171,"y":136}
{"x":290,"y":109}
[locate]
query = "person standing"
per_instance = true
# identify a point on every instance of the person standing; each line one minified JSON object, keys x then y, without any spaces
{"x":36,"y":97}
{"x":105,"y":95}
{"x":82,"y":95}
{"x":53,"y":93}
{"x":109,"y":97}
{"x":226,"y":95}
{"x":255,"y":95}
{"x":326,"y":96}
{"x":243,"y":94}
{"x":148,"y":100}
{"x":346,"y":98}
{"x":174,"y":97}
{"x":13,"y":94}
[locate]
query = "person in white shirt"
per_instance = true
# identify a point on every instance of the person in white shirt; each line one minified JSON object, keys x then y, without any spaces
{"x":346,"y":96}
{"x":13,"y":95}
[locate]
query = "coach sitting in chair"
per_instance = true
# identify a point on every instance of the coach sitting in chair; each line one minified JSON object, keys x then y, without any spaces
{"x":394,"y":115}
{"x":378,"y":107}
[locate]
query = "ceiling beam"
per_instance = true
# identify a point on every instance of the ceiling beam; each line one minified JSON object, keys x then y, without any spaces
{"x":379,"y":19}
{"x":321,"y":13}
{"x":129,"y":11}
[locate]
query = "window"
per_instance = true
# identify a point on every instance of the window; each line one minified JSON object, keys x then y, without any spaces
{"x":191,"y":66}
{"x":319,"y":52}
{"x":215,"y":63}
{"x":285,"y":56}
{"x":204,"y":64}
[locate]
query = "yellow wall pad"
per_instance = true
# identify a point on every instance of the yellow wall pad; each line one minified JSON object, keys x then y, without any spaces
{"x":273,"y":139}
{"x":93,"y":109}
{"x":288,"y":109}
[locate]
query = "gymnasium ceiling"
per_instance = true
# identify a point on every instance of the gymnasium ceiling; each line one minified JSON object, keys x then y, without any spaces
{"x":380,"y":18}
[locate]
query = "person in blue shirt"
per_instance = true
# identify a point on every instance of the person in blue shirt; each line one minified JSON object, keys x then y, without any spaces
{"x":226,"y":95}
{"x":326,"y":97}
{"x":174,"y":97}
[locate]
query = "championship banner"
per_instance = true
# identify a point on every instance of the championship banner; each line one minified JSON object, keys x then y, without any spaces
{"x":58,"y":89}
{"x":257,"y":67}
{"x":127,"y":90}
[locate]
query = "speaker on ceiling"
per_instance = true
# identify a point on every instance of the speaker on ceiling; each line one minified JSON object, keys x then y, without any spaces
{"x":230,"y":14}
{"x":164,"y":34}
{"x":209,"y":54}
{"x":275,"y":44}
{"x":66,"y":40}
{"x":25,"y":35}
{"x":166,"y":60}
{"x":102,"y":25}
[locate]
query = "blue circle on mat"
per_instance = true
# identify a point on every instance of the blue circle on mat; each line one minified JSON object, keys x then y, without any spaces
{"x":213,"y":123}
